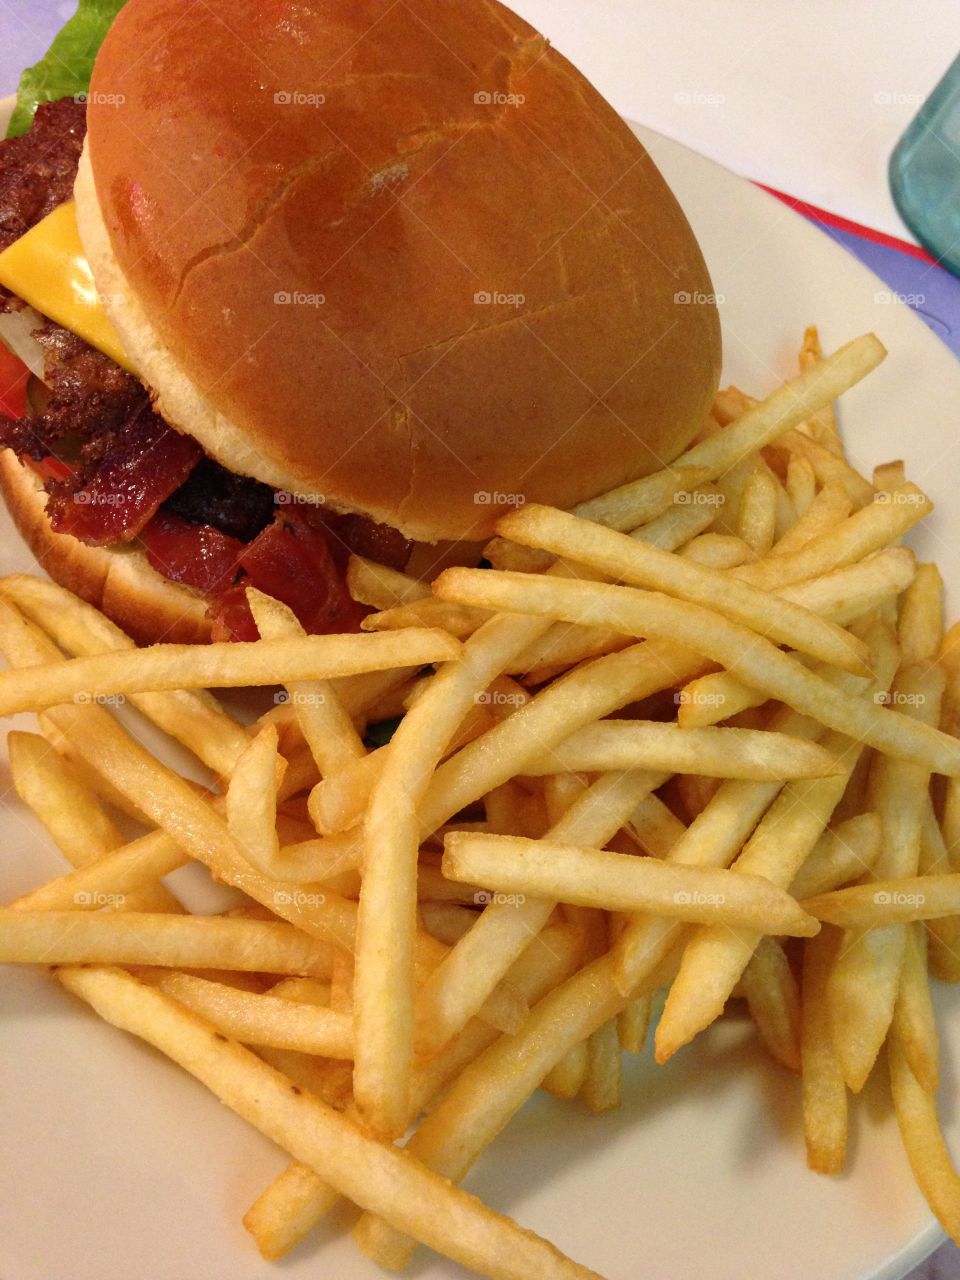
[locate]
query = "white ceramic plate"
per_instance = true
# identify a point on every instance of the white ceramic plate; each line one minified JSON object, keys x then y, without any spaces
{"x":115,"y":1164}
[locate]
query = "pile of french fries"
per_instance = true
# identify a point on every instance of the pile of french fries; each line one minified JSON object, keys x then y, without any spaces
{"x":698,"y":735}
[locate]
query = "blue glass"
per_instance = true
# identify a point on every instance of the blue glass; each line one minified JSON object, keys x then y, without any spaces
{"x":925,"y":172}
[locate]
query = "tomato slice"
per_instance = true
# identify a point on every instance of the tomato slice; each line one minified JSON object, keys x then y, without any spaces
{"x":14,"y":376}
{"x":230,"y":616}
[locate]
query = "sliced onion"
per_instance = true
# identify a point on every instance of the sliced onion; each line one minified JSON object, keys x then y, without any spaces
{"x":16,"y":333}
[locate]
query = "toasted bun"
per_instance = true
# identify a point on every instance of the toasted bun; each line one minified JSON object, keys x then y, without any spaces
{"x":405,"y":257}
{"x":118,"y":581}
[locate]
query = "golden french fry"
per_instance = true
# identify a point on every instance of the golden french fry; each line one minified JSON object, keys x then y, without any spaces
{"x":883,"y":903}
{"x":823,"y":423}
{"x":323,"y":719}
{"x":924,"y":1143}
{"x":824,"y":1091}
{"x":170,"y":666}
{"x":634,"y":1023}
{"x":757,"y":514}
{"x":914,"y":1025}
{"x":618,"y":882}
{"x":771,"y":993}
{"x":380,"y":587}
{"x":187,"y":942}
{"x":844,"y":853}
{"x":829,"y":467}
{"x":386,"y":924}
{"x":264,"y":1019}
{"x":455,"y":619}
{"x":712,"y":752}
{"x":372,"y":1175}
{"x":825,"y":511}
{"x":252,"y":802}
{"x":567,"y":1077}
{"x":603,"y":1081}
{"x":920,"y":627}
{"x":718,"y":551}
{"x":861,"y":994}
{"x":801,"y":484}
{"x":612,"y":553}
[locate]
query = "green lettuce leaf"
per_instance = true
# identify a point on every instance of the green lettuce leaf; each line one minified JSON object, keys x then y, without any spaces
{"x":65,"y":68}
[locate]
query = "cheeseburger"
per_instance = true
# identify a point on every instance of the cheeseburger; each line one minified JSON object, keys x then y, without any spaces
{"x":297,"y":282}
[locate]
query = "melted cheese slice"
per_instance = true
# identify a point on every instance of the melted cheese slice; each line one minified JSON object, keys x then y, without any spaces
{"x":48,"y":269}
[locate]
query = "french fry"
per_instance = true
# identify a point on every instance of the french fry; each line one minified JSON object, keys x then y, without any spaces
{"x":386,"y":924}
{"x":843,"y":853}
{"x":323,"y":719}
{"x":914,"y":1026}
{"x":824,"y":1091}
{"x":801,"y":484}
{"x":883,"y":903}
{"x":717,"y":551}
{"x":193,"y":717}
{"x":252,"y":802}
{"x":611,"y":553}
{"x":888,"y":476}
{"x":603,"y":1080}
{"x":185,"y":942}
{"x":757,"y":514}
{"x":373,"y":1176}
{"x":264,"y":1019}
{"x":655,"y":828}
{"x":924,"y":1143}
{"x":897,"y":792}
{"x":822,"y":424}
{"x":633,"y":1023}
{"x":754,"y":659}
{"x":618,"y":882}
{"x":668,"y":748}
{"x":920,"y":626}
{"x":824,"y":512}
{"x":379,"y":587}
{"x":456,"y":620}
{"x":829,"y":467}
{"x":567,"y":1077}
{"x":80,"y":828}
{"x":166,"y":666}
{"x":774,"y":1002}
